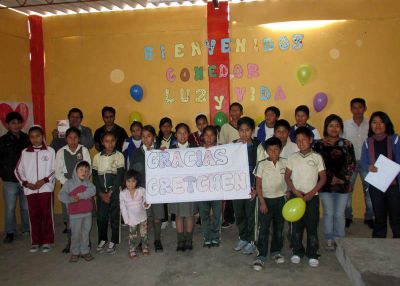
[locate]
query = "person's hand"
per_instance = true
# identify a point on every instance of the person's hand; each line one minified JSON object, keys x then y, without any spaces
{"x":253,"y":193}
{"x":263,"y":207}
{"x":337,"y":181}
{"x":76,"y":198}
{"x":288,"y":193}
{"x":105,"y":197}
{"x":163,"y":148}
{"x":31,"y":186}
{"x":372,"y":169}
{"x":307,"y":197}
{"x":146,"y":205}
{"x":298,"y":194}
{"x":39,"y":184}
{"x":54,"y":133}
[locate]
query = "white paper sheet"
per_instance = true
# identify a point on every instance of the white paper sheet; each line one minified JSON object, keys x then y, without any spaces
{"x":387,"y":172}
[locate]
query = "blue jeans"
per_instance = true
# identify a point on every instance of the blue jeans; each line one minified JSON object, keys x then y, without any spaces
{"x":369,"y":212}
{"x":12,"y":191}
{"x":334,"y":205}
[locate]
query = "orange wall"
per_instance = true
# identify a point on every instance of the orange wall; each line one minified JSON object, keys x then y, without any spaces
{"x":15,"y":82}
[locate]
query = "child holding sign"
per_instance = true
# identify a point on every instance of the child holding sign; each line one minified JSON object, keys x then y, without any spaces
{"x":245,"y":209}
{"x":183,"y":211}
{"x":138,"y":163}
{"x":210,"y":227}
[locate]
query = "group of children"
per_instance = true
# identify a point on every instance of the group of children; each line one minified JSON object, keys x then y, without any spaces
{"x":282,"y":165}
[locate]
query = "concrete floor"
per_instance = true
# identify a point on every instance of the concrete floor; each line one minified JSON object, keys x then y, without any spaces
{"x":215,"y":266}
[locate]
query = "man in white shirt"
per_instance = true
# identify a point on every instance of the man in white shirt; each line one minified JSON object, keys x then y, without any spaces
{"x":356,"y":131}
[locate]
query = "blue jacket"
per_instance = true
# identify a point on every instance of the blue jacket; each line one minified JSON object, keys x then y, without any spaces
{"x":366,"y":160}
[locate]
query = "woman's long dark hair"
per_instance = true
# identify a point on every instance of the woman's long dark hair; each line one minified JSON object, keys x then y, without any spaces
{"x":389,"y":128}
{"x":162,"y":122}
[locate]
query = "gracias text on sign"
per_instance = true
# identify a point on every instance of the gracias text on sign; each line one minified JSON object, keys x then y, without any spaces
{"x":197,"y":174}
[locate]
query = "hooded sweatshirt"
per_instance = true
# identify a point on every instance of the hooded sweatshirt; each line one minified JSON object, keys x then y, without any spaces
{"x":84,"y":189}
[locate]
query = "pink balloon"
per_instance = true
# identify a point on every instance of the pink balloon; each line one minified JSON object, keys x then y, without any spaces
{"x":320,"y":101}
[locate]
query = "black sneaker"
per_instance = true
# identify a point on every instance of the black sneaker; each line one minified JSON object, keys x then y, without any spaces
{"x":181,"y":246}
{"x":225,"y":224}
{"x":158,"y":246}
{"x":349,"y":221}
{"x":370,"y":223}
{"x":215,"y":243}
{"x":9,"y":238}
{"x":189,"y":244}
{"x":207,"y":243}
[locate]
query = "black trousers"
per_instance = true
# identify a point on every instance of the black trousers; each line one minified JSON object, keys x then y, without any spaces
{"x":108,"y":213}
{"x":309,"y":222}
{"x":166,"y":214}
{"x":384,"y":205}
{"x":228,"y":212}
{"x":274,"y":217}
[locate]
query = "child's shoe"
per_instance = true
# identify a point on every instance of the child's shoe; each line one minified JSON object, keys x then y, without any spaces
{"x":295,"y":259}
{"x":313,"y":262}
{"x":88,"y":257}
{"x":189,"y":244}
{"x":101,"y":246}
{"x":158,"y":246}
{"x":215,"y":243}
{"x":279,"y":259}
{"x":181,"y":246}
{"x":46,"y":248}
{"x":173,"y":224}
{"x":240,"y":245}
{"x":74,"y":258}
{"x":330,"y":244}
{"x":207,"y":243}
{"x":249,"y":249}
{"x":111,"y":248}
{"x":146,"y":252}
{"x":34,"y":249}
{"x":164,"y":224}
{"x":258,"y":264}
{"x":132,"y":254}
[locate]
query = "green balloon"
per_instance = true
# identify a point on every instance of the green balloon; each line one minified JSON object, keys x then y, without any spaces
{"x":294,"y":209}
{"x":220,"y":119}
{"x":304,"y":74}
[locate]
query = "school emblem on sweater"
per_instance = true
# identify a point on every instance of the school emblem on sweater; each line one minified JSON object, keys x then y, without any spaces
{"x":79,"y":156}
{"x":311,"y":163}
{"x":45,"y":158}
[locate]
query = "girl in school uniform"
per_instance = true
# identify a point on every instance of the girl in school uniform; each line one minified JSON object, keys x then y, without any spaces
{"x":137,"y":163}
{"x":183,"y":211}
{"x":165,"y":139}
{"x":382,"y":141}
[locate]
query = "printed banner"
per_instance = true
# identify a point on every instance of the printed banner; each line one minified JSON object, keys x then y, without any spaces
{"x":197,"y":174}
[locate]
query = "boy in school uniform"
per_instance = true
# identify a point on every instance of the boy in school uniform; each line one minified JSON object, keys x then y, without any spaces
{"x":356,"y":131}
{"x":271,"y":191}
{"x":245,"y":208}
{"x":11,"y":145}
{"x":108,"y":174}
{"x":281,"y":131}
{"x":132,"y":143}
{"x":228,"y":133}
{"x":302,"y":114}
{"x":108,"y":115}
{"x":265,"y":129}
{"x":305,"y":176}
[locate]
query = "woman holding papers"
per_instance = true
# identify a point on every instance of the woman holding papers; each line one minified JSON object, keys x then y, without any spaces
{"x":382,"y":141}
{"x":340,"y":161}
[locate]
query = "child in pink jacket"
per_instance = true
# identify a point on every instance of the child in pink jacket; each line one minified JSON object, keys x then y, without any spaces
{"x":133,"y":209}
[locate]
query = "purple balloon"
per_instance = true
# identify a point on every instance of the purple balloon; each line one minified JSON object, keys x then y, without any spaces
{"x":320,"y":101}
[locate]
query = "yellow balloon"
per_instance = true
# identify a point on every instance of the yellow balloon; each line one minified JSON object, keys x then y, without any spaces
{"x":135,"y":116}
{"x":294,"y":209}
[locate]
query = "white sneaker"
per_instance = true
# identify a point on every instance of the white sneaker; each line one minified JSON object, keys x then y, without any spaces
{"x":111,"y":248}
{"x":330,"y":244}
{"x":279,"y":259}
{"x":249,"y":249}
{"x":46,"y":248}
{"x":174,"y":225}
{"x":313,"y":262}
{"x":295,"y":259}
{"x":258,"y":264}
{"x":240,"y":245}
{"x":101,"y":246}
{"x":164,"y":224}
{"x":34,"y":249}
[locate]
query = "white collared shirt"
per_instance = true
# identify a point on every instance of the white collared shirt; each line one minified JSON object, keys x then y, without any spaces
{"x":272,"y":176}
{"x":287,"y":150}
{"x":183,"y":145}
{"x":356,"y":134}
